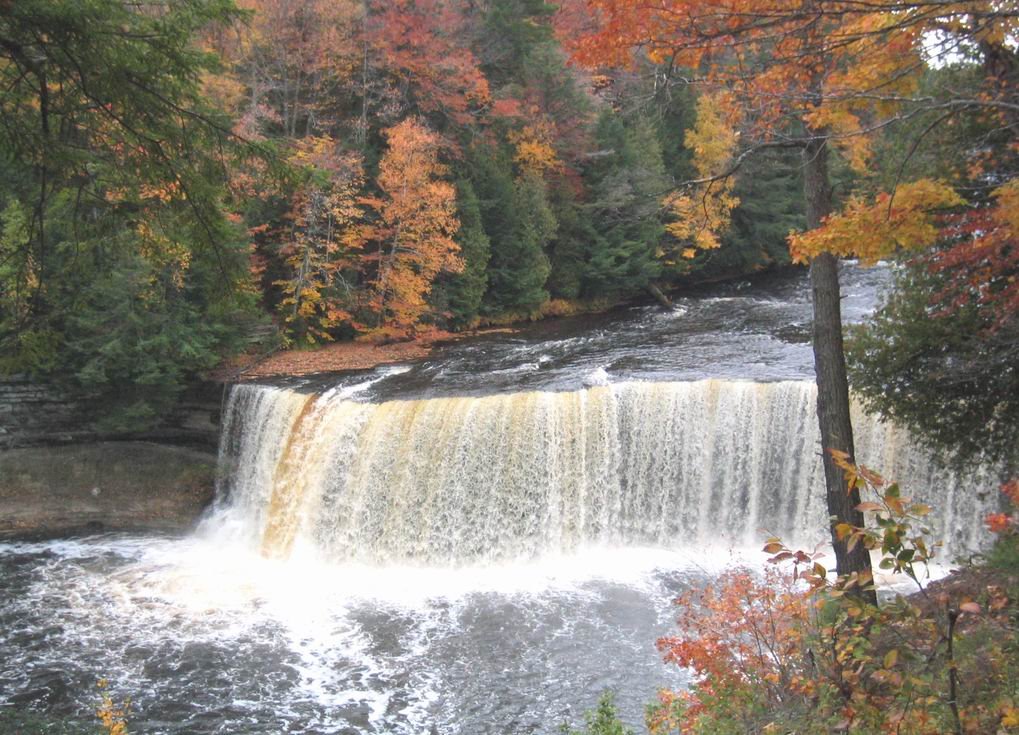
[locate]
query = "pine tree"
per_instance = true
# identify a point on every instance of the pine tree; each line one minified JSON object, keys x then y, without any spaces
{"x":519,"y":224}
{"x":465,"y":290}
{"x":628,"y":180}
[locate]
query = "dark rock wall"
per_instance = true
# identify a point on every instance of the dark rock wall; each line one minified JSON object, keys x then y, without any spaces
{"x":35,"y":413}
{"x":39,"y":414}
{"x":59,"y":474}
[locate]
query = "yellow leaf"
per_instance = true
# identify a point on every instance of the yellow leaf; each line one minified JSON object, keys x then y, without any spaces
{"x":890,"y":658}
{"x":874,"y":230}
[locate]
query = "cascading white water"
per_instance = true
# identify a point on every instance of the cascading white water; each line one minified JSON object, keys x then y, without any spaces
{"x":468,"y":480}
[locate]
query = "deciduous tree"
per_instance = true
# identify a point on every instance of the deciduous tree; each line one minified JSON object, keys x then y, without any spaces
{"x":416,"y":223}
{"x":320,"y":240}
{"x":293,"y":55}
{"x":816,"y":76}
{"x":421,"y":45}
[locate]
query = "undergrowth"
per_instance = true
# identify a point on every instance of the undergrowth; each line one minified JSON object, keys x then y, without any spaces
{"x":797,"y":652}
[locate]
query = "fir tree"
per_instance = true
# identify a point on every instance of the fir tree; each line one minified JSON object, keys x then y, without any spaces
{"x":628,"y":179}
{"x":519,"y":224}
{"x":464,"y":291}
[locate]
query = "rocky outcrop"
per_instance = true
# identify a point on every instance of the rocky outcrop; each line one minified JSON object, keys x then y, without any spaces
{"x":103,"y":486}
{"x":34,"y":413}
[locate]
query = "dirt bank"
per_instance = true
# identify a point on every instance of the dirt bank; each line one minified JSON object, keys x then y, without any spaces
{"x":341,"y":356}
{"x":108,"y":486}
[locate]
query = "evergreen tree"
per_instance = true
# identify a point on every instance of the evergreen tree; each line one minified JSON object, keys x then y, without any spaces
{"x":950,"y":376}
{"x":519,"y":224}
{"x":672,"y":115}
{"x":122,"y":272}
{"x":569,"y":250}
{"x":464,"y":291}
{"x":628,"y":180}
{"x":512,"y":28}
{"x":520,"y":281}
{"x":770,"y":190}
{"x":136,"y":338}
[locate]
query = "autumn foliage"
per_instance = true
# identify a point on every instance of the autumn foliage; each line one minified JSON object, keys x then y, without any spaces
{"x":1006,"y":524}
{"x":874,"y":230}
{"x":791,"y":651}
{"x":780,"y":75}
{"x":421,"y":46}
{"x":698,"y":218}
{"x":982,"y":268}
{"x":318,"y":239}
{"x":414,"y":226}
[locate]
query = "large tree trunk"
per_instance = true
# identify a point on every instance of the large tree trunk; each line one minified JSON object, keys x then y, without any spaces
{"x":830,"y":366}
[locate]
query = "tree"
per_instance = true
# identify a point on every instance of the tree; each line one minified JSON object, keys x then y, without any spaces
{"x":536,"y":225}
{"x":770,"y":192}
{"x":948,"y":375}
{"x":816,"y":76}
{"x":465,"y":290}
{"x":290,"y":56}
{"x":420,"y":43}
{"x":940,"y":356}
{"x":519,"y":267}
{"x":135,"y":338}
{"x":512,"y":30}
{"x":101,"y":84}
{"x":626,"y":180}
{"x":115,"y":178}
{"x":575,"y":234}
{"x":519,"y":224}
{"x":319,"y":241}
{"x":415,"y":227}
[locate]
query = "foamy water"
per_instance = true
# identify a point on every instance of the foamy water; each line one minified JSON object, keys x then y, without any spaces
{"x":207,"y":637}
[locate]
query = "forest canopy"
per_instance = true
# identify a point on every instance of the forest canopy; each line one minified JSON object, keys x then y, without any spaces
{"x":182,"y":174}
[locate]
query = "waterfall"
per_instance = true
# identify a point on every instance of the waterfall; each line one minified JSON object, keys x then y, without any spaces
{"x":476,"y":479}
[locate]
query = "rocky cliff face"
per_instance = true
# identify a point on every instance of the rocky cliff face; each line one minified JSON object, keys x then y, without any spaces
{"x":35,"y":413}
{"x":42,"y":414}
{"x":106,"y":486}
{"x":59,"y":474}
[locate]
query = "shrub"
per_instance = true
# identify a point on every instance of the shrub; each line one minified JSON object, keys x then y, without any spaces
{"x":799,"y":652}
{"x":603,"y":720}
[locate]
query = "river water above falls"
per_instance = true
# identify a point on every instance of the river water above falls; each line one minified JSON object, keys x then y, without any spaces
{"x":750,"y":331}
{"x":480,"y":542}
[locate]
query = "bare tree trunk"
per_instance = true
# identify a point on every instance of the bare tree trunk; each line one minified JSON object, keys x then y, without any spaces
{"x":661,"y":298}
{"x":830,"y":366}
{"x":362,"y":129}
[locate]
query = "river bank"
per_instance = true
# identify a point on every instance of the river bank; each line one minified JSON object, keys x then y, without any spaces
{"x":54,"y":491}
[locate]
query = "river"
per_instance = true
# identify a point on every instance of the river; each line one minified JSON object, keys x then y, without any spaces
{"x":479,"y":542}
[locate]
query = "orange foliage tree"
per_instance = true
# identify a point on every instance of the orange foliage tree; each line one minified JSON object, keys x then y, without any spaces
{"x":319,"y":240}
{"x":414,"y":228}
{"x":421,"y":46}
{"x":816,"y":76}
